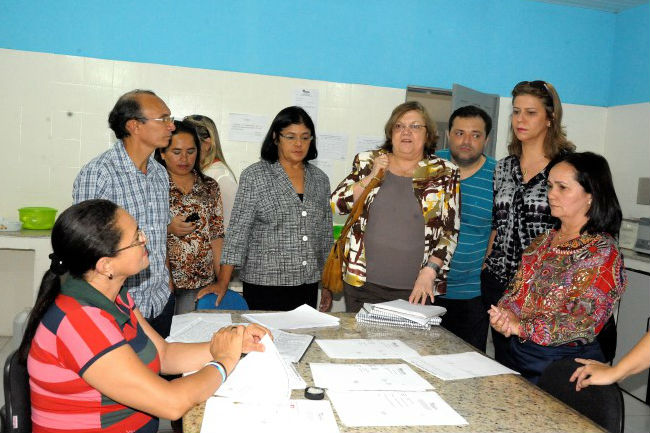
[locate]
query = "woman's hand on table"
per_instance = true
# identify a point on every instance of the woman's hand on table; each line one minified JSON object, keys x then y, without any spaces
{"x":217,"y":288}
{"x":423,"y":286}
{"x":504,"y":321}
{"x":253,"y":334}
{"x":325,"y":300}
{"x":226,"y":346}
{"x":593,"y":373}
{"x":179,"y":227}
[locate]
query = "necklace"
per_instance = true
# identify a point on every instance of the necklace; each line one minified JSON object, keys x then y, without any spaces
{"x":567,"y":236}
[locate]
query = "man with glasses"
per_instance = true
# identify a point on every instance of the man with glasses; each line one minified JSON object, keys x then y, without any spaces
{"x":469,"y":129}
{"x":128,"y":175}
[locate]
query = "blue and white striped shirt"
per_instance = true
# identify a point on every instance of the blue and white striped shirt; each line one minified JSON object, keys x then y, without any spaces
{"x":464,"y":278}
{"x":113,"y":176}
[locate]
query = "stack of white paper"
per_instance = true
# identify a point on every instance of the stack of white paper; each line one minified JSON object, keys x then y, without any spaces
{"x":291,"y":346}
{"x":288,"y":416}
{"x":356,"y":348}
{"x":302,"y":317}
{"x":196,"y":327}
{"x":459,"y":365}
{"x":367,"y":377}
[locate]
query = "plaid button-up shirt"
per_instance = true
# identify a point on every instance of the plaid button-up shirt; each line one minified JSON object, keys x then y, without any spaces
{"x":113,"y":176}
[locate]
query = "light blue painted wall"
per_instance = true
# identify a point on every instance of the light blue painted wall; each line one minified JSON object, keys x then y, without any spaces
{"x":631,"y":66}
{"x":486,"y":44}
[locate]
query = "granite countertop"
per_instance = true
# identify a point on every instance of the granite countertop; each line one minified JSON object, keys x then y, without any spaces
{"x":506,"y":403}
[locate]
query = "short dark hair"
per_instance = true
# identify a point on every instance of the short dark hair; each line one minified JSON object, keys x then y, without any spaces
{"x":286,"y":117}
{"x":472,"y":111}
{"x":403,"y":108}
{"x":188,"y":128}
{"x":82,"y":234}
{"x":126,"y":108}
{"x":593,"y":174}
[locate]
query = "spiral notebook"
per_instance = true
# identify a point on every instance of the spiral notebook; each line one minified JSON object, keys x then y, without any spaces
{"x":375,"y":314}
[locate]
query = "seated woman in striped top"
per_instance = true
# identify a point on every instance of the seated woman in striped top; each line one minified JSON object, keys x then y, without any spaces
{"x":93,"y":360}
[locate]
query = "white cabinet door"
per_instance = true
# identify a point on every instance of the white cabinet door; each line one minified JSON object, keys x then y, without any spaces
{"x":632,"y":324}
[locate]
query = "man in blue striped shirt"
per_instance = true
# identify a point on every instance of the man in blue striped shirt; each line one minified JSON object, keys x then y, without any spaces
{"x":128,"y":175}
{"x":469,"y":129}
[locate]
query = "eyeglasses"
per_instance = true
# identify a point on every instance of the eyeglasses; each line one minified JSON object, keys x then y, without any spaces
{"x":295,"y":138}
{"x":414,"y":128}
{"x":539,"y":85}
{"x":166,"y":119}
{"x":142,"y":239}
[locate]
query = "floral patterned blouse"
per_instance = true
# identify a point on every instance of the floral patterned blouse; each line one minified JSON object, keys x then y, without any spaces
{"x":436,"y":186}
{"x":566,"y":293}
{"x":190,"y":256}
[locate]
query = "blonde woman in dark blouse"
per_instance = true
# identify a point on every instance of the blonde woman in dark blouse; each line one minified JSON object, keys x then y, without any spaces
{"x":521,"y":211}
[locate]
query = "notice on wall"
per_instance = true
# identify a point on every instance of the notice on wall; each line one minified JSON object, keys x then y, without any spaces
{"x":308,"y":100}
{"x":333,"y":146}
{"x":365,"y":143}
{"x":248,"y":127}
{"x":327,"y":165}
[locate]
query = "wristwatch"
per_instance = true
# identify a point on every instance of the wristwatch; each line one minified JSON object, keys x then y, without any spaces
{"x":434,"y":266}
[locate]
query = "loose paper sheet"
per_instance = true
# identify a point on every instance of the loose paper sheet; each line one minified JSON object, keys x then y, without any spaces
{"x":357,"y":348}
{"x":302,"y":317}
{"x":365,"y":143}
{"x":291,"y":346}
{"x":392,"y":408}
{"x":334,"y":146}
{"x":367,"y":377}
{"x":459,"y":365}
{"x":259,"y":376}
{"x":292,"y":416}
{"x":327,"y":165}
{"x":248,"y":127}
{"x":308,"y":100}
{"x":197,"y":327}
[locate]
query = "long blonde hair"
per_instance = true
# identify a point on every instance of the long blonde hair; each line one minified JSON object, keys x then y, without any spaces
{"x":206,"y":128}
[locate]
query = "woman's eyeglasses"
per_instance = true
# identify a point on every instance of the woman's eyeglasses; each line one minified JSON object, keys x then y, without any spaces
{"x":539,"y":85}
{"x":142,"y":239}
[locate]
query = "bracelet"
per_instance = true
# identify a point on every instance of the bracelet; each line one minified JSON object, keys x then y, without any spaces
{"x":220,"y":367}
{"x":434,"y":266}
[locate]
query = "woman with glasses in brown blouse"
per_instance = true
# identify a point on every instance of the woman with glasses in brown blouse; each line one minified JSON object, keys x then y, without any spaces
{"x":521,"y":211}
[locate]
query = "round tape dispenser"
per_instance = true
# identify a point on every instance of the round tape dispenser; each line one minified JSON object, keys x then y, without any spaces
{"x":314,"y":393}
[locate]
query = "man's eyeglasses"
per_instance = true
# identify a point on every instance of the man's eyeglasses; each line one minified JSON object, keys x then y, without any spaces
{"x":414,"y":127}
{"x":142,"y":239}
{"x":166,"y":119}
{"x":295,"y":138}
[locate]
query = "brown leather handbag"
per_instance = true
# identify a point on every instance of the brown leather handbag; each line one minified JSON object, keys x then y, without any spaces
{"x":332,"y":278}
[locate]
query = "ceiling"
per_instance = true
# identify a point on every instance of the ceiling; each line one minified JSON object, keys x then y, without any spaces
{"x":614,"y":6}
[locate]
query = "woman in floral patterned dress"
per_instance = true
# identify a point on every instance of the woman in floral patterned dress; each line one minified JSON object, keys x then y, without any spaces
{"x":401,"y":245}
{"x":571,"y":277}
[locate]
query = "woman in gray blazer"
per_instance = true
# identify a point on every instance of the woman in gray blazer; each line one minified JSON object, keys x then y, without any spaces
{"x":280,"y":231}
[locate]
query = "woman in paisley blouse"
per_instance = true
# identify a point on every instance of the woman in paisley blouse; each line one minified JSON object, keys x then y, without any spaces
{"x":520,"y":210}
{"x":570,"y":278}
{"x":401,"y":245}
{"x":194,"y":199}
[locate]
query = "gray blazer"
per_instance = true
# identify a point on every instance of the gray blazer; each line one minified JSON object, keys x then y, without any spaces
{"x":273,"y":237}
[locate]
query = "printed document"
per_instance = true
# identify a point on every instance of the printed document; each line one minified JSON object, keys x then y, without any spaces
{"x":291,"y":346}
{"x":459,"y":365}
{"x":197,"y":327}
{"x":259,"y":376}
{"x":392,"y":408}
{"x":289,"y":416}
{"x":301,"y":317}
{"x":356,"y":348}
{"x":367,"y":377}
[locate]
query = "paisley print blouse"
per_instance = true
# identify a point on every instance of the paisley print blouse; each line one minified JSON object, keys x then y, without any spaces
{"x":566,"y":293}
{"x":436,"y":186}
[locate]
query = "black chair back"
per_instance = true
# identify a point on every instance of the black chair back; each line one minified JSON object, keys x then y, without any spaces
{"x":602,"y":404}
{"x":17,"y":411}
